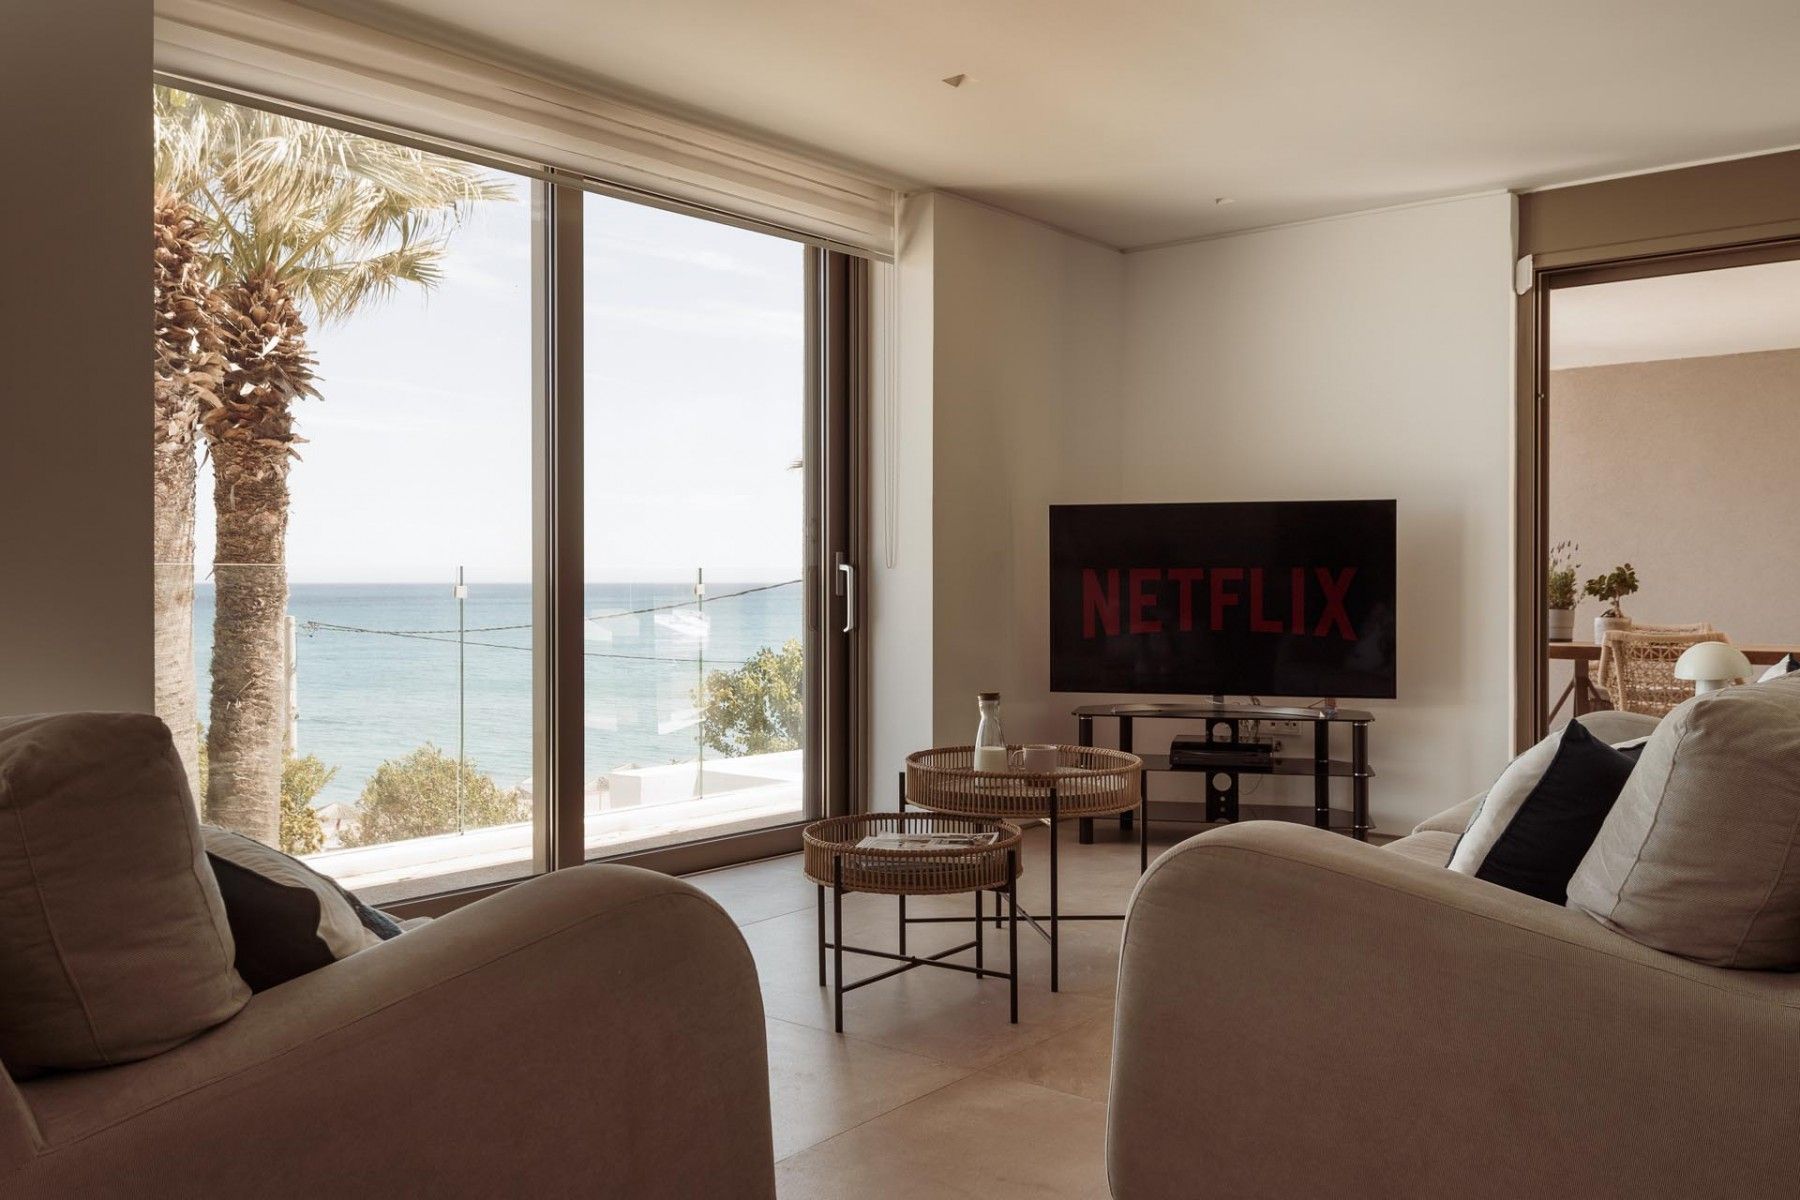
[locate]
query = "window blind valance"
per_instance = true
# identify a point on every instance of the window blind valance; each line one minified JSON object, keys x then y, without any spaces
{"x":284,"y":52}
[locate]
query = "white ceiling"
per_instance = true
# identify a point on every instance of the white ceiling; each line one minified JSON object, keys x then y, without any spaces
{"x":1124,"y":120}
{"x":1734,"y":311}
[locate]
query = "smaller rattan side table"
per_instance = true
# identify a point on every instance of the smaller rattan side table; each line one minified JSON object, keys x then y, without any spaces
{"x":834,"y":861}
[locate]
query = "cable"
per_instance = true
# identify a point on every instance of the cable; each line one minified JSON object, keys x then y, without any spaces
{"x":327,"y":627}
{"x":634,"y":612}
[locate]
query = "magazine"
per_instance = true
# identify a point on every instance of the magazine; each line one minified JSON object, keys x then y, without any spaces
{"x":927,"y":841}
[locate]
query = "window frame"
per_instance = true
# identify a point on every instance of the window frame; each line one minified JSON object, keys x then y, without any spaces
{"x":1531,"y":682}
{"x":837,"y":350}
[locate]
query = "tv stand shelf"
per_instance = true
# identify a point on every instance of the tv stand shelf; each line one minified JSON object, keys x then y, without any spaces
{"x":1222,"y":776}
{"x":1281,"y":764}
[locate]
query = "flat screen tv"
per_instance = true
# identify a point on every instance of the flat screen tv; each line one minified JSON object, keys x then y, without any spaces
{"x":1287,"y":598}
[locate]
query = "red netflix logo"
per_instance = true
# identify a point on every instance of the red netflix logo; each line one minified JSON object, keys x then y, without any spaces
{"x":1156,"y":599}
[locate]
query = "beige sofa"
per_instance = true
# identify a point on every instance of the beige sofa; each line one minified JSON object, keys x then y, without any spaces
{"x":597,"y":1032}
{"x":1304,"y":1015}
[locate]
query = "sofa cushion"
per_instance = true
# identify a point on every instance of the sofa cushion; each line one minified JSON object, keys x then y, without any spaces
{"x":1777,"y":670}
{"x":286,"y":918}
{"x":1431,"y":847}
{"x":113,"y":940}
{"x":1541,"y":815}
{"x":1616,"y":728}
{"x":1701,"y":855}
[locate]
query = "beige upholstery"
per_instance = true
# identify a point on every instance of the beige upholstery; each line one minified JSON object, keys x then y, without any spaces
{"x":1701,"y":855}
{"x":1300,"y":1014}
{"x":596,"y":1032}
{"x":113,"y":940}
{"x":1398,"y":1031}
{"x":1431,"y":846}
{"x":1608,"y":725}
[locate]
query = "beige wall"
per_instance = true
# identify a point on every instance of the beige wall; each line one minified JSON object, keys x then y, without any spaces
{"x":899,"y":571}
{"x":1684,"y":468}
{"x":75,"y":579}
{"x":1026,"y":414}
{"x":1364,"y":357}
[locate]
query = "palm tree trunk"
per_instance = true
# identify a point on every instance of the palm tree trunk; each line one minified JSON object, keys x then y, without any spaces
{"x":249,"y":698}
{"x":173,"y":545}
{"x":187,"y":372}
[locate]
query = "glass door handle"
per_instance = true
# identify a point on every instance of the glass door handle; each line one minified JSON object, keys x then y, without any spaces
{"x":847,"y":589}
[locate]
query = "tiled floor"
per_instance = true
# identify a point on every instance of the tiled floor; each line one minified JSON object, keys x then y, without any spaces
{"x":930,"y":1092}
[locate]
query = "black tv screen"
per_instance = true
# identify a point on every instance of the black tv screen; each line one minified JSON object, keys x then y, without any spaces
{"x":1289,"y":598}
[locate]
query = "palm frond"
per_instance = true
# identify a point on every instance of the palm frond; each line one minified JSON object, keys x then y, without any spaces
{"x":337,"y":289}
{"x":341,"y":220}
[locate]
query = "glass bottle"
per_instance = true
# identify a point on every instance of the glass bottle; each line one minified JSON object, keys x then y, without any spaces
{"x":990,"y":738}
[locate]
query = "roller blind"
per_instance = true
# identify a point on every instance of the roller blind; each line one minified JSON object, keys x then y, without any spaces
{"x":315,"y":60}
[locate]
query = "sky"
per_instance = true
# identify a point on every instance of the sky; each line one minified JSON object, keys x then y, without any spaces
{"x":418,"y":457}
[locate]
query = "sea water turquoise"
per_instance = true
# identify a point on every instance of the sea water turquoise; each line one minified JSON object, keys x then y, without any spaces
{"x":377,"y":668}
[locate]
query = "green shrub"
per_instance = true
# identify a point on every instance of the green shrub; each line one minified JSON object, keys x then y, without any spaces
{"x":758,"y":708}
{"x":302,"y":779}
{"x":416,"y":796}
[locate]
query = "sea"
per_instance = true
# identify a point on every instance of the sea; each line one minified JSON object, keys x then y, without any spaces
{"x":382,"y":669}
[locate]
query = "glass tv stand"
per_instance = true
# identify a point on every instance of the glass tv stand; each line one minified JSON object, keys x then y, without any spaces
{"x":1223,"y":767}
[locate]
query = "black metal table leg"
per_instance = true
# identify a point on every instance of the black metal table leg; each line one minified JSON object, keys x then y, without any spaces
{"x":1084,"y":736}
{"x":1055,"y":931}
{"x":978,"y":927}
{"x":1125,"y":745}
{"x":1143,"y":821}
{"x":902,"y":924}
{"x":1012,"y":930}
{"x":837,"y":941}
{"x":821,"y":935}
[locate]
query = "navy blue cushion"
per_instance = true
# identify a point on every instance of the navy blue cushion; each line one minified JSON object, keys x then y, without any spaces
{"x":1540,"y":848}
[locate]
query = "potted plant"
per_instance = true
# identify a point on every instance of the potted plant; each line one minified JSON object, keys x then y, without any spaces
{"x":1559,"y":592}
{"x":1612,"y":587}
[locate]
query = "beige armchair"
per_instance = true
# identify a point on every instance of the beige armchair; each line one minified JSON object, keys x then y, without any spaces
{"x":1300,"y":1014}
{"x":597,"y":1032}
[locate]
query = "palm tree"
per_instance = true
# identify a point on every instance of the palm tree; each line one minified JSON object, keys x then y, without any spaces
{"x":187,"y":365}
{"x":299,"y":220}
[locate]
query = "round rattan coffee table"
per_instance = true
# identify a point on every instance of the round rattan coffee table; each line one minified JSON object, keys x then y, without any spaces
{"x":835,"y":859}
{"x":1089,"y":781}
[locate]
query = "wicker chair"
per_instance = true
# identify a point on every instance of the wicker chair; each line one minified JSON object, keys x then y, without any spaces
{"x":1605,"y":677}
{"x":1643,"y":668}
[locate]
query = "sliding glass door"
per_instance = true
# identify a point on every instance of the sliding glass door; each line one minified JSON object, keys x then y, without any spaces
{"x":696,"y":457}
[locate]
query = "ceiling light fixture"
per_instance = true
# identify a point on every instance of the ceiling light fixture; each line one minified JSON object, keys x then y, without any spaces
{"x":955,"y":80}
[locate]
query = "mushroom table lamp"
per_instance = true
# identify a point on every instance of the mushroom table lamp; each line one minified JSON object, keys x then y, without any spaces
{"x":1712,"y":665}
